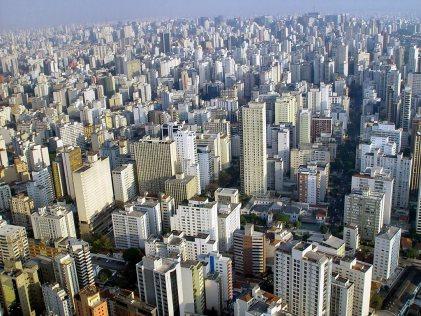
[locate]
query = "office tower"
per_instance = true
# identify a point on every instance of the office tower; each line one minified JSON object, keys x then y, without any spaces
{"x":227,"y":196}
{"x":206,"y":165}
{"x":181,"y":188}
{"x":418,"y":214}
{"x":341,"y":296}
{"x":312,"y":182}
{"x":253,"y":149}
{"x":197,"y":216}
{"x":89,"y":302}
{"x":124,"y":183}
{"x":319,"y":126}
{"x":286,"y":109}
{"x":165,"y":42}
{"x":92,"y":198}
{"x":304,"y":127}
{"x":275,"y":174}
{"x":81,"y":254}
{"x":53,"y":222}
{"x":130,"y":228}
{"x":21,"y":289}
{"x":5,"y":196}
{"x":413,"y":59}
{"x":386,"y":253}
{"x":167,"y":206}
{"x":40,"y":189}
{"x":59,"y":179}
{"x":21,"y":208}
{"x":228,"y":223}
{"x":66,"y":275}
{"x":193,"y":285}
{"x":351,"y":237}
{"x":414,"y":81}
{"x":187,"y":157}
{"x":302,"y":278}
{"x":56,"y":300}
{"x":365,"y":208}
{"x":416,"y":158}
{"x":160,"y":284}
{"x":341,"y":59}
{"x":359,"y":273}
{"x":405,"y":114}
{"x":38,"y":157}
{"x":72,"y":134}
{"x":71,"y":158}
{"x":379,"y":180}
{"x":249,"y":251}
{"x":155,"y":163}
{"x":13,"y":243}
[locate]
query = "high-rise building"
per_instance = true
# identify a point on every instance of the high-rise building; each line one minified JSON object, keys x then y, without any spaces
{"x":5,"y":196}
{"x":92,"y":198}
{"x":249,"y":251}
{"x":365,"y":208}
{"x":124,"y":183}
{"x":341,"y":296}
{"x":40,"y":189}
{"x":165,"y":42}
{"x":53,"y":222}
{"x":160,"y":284}
{"x":13,"y":243}
{"x":360,"y":274}
{"x":81,"y":254}
{"x":72,"y":160}
{"x":181,"y":188}
{"x":302,"y":278}
{"x":304,"y":127}
{"x":253,"y":169}
{"x":197,"y":216}
{"x":320,"y":125}
{"x":286,"y":109}
{"x":193,"y":285}
{"x":379,"y":180}
{"x":312,"y":182}
{"x":228,"y":223}
{"x":21,"y":289}
{"x":56,"y":300}
{"x":130,"y":227}
{"x":22,"y":207}
{"x":167,"y":205}
{"x":416,"y":157}
{"x":386,"y":253}
{"x":65,"y":274}
{"x":155,"y":163}
{"x":89,"y":302}
{"x":418,"y":214}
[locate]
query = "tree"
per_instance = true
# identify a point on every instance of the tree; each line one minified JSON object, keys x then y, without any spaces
{"x":376,"y":301}
{"x":104,"y":275}
{"x":102,"y":244}
{"x":323,"y":229}
{"x":132,"y":255}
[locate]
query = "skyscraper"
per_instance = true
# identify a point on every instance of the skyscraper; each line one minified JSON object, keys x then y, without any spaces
{"x":253,"y":167}
{"x":165,"y":42}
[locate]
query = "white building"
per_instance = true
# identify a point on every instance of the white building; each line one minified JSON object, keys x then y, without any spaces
{"x":53,"y":222}
{"x":5,"y":196}
{"x":66,"y":275}
{"x":386,"y":253}
{"x":41,"y":189}
{"x":379,"y":180}
{"x":365,"y":209}
{"x":93,"y":188}
{"x":152,"y":207}
{"x":201,"y":244}
{"x":124,"y":183}
{"x":341,"y":296}
{"x":302,"y":278}
{"x":228,"y":222}
{"x":198,"y":216}
{"x":56,"y":300}
{"x":130,"y":227}
{"x":359,"y":273}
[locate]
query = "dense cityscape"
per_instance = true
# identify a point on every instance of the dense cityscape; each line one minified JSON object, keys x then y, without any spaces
{"x":212,"y":166}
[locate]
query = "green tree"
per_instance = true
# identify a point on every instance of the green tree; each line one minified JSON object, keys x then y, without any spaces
{"x":376,"y":301}
{"x":132,"y":255}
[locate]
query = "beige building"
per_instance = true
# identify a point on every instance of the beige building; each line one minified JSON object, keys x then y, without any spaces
{"x":181,"y":188}
{"x":155,"y":163}
{"x":13,"y":243}
{"x":22,"y":206}
{"x":253,"y":169}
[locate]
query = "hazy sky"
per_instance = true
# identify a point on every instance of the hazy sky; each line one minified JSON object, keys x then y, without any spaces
{"x":26,"y":13}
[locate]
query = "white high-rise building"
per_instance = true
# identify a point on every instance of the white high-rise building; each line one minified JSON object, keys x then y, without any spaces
{"x":341,"y":296}
{"x":80,"y":252}
{"x":386,"y":253}
{"x":130,"y":227}
{"x":53,"y":222}
{"x":302,"y":278}
{"x":160,"y":284}
{"x":365,"y":208}
{"x":56,"y":300}
{"x":304,"y":127}
{"x":253,"y":167}
{"x":152,"y":207}
{"x":187,"y":157}
{"x":40,"y":189}
{"x":13,"y":243}
{"x":380,"y":180}
{"x":66,"y":275}
{"x":93,"y":188}
{"x":124,"y":183}
{"x":360,"y":273}
{"x":198,"y":216}
{"x":228,"y":222}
